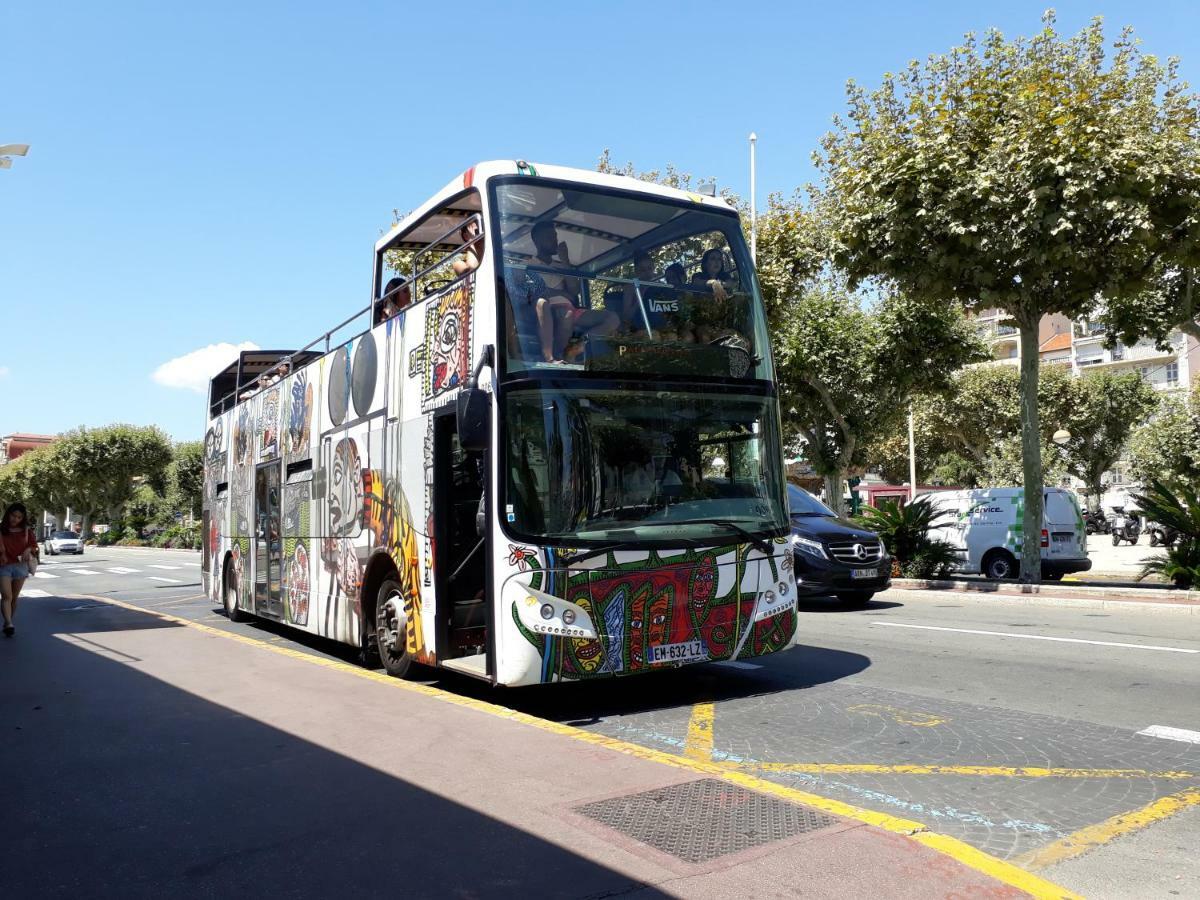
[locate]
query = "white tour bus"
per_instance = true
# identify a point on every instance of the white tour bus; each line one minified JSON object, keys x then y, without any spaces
{"x":548,"y":449}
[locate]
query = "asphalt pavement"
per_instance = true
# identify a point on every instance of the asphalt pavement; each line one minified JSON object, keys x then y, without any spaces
{"x":1063,"y":740}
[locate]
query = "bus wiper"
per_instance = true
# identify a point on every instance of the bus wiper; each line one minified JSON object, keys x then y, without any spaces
{"x":588,"y":553}
{"x":758,"y":543}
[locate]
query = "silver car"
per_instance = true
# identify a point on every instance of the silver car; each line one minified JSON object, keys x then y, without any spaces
{"x":65,"y":542}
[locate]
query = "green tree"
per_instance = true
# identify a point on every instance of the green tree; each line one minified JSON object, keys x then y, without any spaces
{"x":1031,"y":175}
{"x":98,"y":466}
{"x":847,"y":373}
{"x":1101,"y":410}
{"x":1167,"y":448}
{"x":185,"y":477}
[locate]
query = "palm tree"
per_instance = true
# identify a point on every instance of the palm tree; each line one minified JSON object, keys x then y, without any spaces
{"x":1178,"y":509}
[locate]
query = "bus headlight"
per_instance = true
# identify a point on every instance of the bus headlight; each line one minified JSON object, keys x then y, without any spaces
{"x":544,"y":613}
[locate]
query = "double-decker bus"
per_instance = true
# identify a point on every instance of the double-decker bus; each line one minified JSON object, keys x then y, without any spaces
{"x":549,"y":449}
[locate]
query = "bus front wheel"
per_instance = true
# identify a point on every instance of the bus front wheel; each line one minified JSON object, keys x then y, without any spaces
{"x":230,"y":595}
{"x":391,"y":629}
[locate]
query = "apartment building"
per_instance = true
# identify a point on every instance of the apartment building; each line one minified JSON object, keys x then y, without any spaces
{"x":1080,"y":345}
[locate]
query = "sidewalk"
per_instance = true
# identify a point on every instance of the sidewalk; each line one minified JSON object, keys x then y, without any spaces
{"x":1090,"y":596}
{"x":163,"y":759}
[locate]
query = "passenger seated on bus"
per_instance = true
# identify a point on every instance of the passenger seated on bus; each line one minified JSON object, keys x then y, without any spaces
{"x":675,"y":276}
{"x":713,"y":274}
{"x":396,"y":296}
{"x":558,"y":316}
{"x":472,"y":249}
{"x":277,"y":375}
{"x":662,"y":307}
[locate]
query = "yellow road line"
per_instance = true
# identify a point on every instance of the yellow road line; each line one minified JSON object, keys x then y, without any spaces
{"x":1000,"y":771}
{"x":1097,"y":835}
{"x":699,"y":734}
{"x":998,"y":869}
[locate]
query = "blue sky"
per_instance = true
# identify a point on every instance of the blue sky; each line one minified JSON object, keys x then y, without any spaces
{"x":218,"y":173}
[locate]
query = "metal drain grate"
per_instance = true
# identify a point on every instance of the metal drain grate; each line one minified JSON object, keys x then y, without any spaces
{"x":701,"y":820}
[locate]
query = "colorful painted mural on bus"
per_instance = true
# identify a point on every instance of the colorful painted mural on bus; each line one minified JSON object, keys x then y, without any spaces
{"x":447,"y":356}
{"x":388,"y":516}
{"x":299,"y":415}
{"x":643,"y":600}
{"x":296,"y":573}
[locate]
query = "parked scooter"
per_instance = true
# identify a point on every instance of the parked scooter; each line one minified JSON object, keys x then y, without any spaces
{"x":1095,"y":522}
{"x":1125,"y":527}
{"x":1161,"y":534}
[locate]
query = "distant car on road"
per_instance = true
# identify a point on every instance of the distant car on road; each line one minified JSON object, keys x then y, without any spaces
{"x":65,"y":542}
{"x":835,"y":556}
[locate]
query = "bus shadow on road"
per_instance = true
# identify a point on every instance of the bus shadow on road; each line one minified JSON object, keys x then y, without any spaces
{"x":149,"y":788}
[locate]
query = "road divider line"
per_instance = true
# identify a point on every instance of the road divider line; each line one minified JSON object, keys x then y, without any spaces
{"x":700,"y":734}
{"x":1172,"y":734}
{"x":1102,"y":833}
{"x":1002,"y":871}
{"x":163,"y":578}
{"x":155,"y":566}
{"x":985,"y":771}
{"x":84,"y":572}
{"x":123,"y":570}
{"x":1037,"y":637}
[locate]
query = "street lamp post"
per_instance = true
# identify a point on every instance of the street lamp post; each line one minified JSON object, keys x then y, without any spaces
{"x":7,"y":151}
{"x":912,"y":458}
{"x":753,"y":206}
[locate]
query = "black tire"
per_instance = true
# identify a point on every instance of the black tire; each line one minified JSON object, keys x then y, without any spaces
{"x":1116,"y":539}
{"x":1154,"y":539}
{"x":855,"y":599}
{"x":229,"y":594}
{"x":999,"y":564}
{"x":391,"y":629}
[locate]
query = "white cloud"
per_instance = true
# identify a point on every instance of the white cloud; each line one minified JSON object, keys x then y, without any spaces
{"x":193,"y":370}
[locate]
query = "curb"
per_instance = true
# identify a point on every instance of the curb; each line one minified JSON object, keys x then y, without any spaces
{"x":1161,"y":596}
{"x":1081,"y":603}
{"x":96,"y":548}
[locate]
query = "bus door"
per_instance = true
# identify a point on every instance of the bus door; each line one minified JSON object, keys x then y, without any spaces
{"x":460,"y":563}
{"x":268,"y":542}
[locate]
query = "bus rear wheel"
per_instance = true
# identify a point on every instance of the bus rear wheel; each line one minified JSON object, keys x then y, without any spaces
{"x":391,"y":629}
{"x":229,"y":595}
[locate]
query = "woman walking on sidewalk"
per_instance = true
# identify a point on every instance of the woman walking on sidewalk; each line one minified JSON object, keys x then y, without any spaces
{"x":18,"y":544}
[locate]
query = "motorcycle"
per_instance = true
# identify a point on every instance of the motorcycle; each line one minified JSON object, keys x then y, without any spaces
{"x":1125,"y":527}
{"x":1095,"y":522}
{"x":1161,"y":534}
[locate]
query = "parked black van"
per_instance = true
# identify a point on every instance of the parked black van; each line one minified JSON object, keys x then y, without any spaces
{"x":834,"y":556}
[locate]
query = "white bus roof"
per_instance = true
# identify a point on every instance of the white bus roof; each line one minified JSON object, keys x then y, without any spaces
{"x":481,"y":172}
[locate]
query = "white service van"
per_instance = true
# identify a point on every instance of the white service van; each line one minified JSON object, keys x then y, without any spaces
{"x":985,"y":526}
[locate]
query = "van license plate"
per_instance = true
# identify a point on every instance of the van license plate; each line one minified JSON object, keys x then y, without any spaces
{"x":690,"y":651}
{"x":864,"y":573}
{"x":1063,"y":538}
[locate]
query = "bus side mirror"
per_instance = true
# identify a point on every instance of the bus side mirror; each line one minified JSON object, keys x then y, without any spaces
{"x":474,"y":408}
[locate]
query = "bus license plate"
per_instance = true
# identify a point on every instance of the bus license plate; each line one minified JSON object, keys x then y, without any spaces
{"x":690,"y":651}
{"x":864,"y":573}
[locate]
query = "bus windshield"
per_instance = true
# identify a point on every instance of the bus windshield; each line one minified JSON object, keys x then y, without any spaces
{"x":611,"y":281}
{"x":641,"y":465}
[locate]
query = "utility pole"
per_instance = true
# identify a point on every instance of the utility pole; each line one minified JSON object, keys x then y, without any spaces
{"x":912,"y":458}
{"x":753,"y":206}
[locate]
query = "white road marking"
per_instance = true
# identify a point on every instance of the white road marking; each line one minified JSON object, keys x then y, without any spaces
{"x":43,"y":575}
{"x":1039,"y":637}
{"x":161,"y":578}
{"x":123,"y":570}
{"x":84,"y":572}
{"x":153,"y":566}
{"x":736,"y":664}
{"x":1172,"y":734}
{"x":34,"y":592}
{"x":197,"y":565}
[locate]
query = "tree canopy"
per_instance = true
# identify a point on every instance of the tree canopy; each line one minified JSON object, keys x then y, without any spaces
{"x":1167,"y":448}
{"x":1032,"y":175}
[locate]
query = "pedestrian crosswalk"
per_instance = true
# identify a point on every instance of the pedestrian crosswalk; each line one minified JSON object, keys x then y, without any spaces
{"x":123,"y":570}
{"x":155,"y":566}
{"x":34,"y":592}
{"x":163,"y":578}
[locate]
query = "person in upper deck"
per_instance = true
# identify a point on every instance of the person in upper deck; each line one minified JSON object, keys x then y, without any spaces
{"x":675,"y":276}
{"x":713,"y":274}
{"x":396,"y":295}
{"x":558,"y":315}
{"x":472,"y":249}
